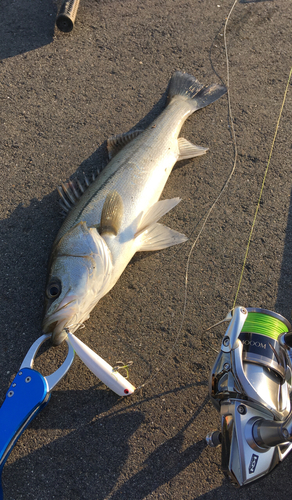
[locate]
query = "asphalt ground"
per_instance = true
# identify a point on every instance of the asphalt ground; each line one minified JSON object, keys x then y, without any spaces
{"x":62,"y":96}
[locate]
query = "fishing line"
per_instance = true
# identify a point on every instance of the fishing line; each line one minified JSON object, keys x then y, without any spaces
{"x":262,"y":188}
{"x":268,"y":328}
{"x":264,"y":324}
{"x":205,"y":219}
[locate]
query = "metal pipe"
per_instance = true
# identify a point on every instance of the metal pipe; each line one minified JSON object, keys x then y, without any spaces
{"x":66,"y":18}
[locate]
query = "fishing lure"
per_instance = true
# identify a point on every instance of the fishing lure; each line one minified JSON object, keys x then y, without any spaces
{"x":105,"y":372}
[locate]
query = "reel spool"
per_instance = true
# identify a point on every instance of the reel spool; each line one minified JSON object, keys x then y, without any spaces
{"x":259,"y":337}
{"x":250,"y":386}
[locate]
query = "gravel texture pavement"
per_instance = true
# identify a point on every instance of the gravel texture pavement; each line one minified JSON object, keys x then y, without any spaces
{"x":62,"y":95}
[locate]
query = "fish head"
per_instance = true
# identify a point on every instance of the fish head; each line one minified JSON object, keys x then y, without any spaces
{"x":79,"y":274}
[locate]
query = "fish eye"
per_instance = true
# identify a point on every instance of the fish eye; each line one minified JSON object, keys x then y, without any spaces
{"x":53,"y":289}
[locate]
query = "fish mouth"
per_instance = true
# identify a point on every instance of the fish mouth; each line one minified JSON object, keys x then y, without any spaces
{"x":64,"y":317}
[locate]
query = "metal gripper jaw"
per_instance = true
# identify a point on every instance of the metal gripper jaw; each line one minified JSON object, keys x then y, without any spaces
{"x":250,"y":386}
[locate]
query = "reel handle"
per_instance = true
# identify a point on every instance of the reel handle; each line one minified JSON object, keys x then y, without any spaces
{"x":268,"y":433}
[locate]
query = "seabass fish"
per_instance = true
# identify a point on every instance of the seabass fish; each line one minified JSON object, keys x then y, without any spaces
{"x":117,"y":214}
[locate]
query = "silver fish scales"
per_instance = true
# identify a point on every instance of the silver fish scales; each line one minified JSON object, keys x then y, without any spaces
{"x":117,"y":215}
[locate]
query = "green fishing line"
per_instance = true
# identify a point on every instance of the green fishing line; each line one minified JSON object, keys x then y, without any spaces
{"x":264,"y":324}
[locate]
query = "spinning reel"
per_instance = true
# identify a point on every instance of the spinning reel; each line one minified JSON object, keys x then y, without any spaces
{"x":250,"y":386}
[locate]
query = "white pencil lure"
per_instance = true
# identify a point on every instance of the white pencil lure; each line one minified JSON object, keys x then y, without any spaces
{"x":105,"y":372}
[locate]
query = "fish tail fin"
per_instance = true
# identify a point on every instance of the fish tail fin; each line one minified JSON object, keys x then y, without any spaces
{"x":197,"y":94}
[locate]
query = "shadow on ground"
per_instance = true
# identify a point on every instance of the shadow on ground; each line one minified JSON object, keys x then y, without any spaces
{"x":163,"y":464}
{"x":26,"y":28}
{"x":101,"y":448}
{"x":94,"y":449}
{"x":26,"y":239}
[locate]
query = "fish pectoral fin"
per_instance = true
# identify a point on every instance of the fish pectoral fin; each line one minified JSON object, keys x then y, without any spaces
{"x":112,"y":214}
{"x":154,"y":213}
{"x":158,"y":236}
{"x":117,"y":142}
{"x":189,"y":150}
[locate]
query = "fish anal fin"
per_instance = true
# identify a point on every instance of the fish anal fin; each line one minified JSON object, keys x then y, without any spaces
{"x":154,"y":213}
{"x":189,"y":150}
{"x":112,"y":214}
{"x":158,"y":236}
{"x":117,"y":142}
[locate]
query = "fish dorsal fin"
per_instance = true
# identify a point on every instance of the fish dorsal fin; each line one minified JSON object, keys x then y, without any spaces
{"x":154,"y":213}
{"x":72,"y":190}
{"x":117,"y":142}
{"x":189,"y":150}
{"x":111,"y":215}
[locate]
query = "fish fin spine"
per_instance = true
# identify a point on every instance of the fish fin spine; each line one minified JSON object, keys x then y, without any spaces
{"x":117,"y":142}
{"x":72,"y":190}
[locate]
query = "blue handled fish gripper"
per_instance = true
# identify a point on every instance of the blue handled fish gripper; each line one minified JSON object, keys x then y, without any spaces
{"x":27,"y":395}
